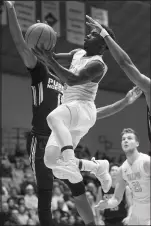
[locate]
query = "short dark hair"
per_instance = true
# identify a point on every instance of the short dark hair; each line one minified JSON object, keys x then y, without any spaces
{"x":129,"y":130}
{"x":113,"y":164}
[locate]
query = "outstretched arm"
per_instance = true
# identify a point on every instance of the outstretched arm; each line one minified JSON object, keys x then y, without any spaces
{"x":129,"y":202}
{"x":26,"y":54}
{"x":118,"y":194}
{"x":122,"y":58}
{"x":109,"y":110}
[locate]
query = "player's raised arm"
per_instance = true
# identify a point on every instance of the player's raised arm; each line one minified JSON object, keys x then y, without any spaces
{"x":118,"y":194}
{"x":112,"y":109}
{"x":26,"y":54}
{"x":124,"y":60}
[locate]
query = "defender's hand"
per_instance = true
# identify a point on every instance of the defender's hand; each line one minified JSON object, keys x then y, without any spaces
{"x":133,"y":95}
{"x":94,"y":24}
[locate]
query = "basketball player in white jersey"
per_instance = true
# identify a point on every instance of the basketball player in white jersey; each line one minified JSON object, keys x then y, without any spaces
{"x":135,"y":172}
{"x":73,"y":119}
{"x":124,"y":61}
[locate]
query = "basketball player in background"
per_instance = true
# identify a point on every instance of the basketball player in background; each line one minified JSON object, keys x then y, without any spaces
{"x":120,"y":214}
{"x":124,"y":61}
{"x":135,"y":172}
{"x":46,"y":92}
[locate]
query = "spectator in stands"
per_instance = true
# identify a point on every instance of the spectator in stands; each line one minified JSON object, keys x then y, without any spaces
{"x":13,"y":218}
{"x":71,"y":220}
{"x":31,"y":201}
{"x":122,"y":158}
{"x":28,"y":179}
{"x":21,"y":201}
{"x":33,"y":215}
{"x":14,"y":194}
{"x":4,"y":213}
{"x":62,"y":206}
{"x":120,"y":214}
{"x":4,"y":194}
{"x":11,"y":203}
{"x":17,"y":171}
{"x":5,"y":170}
{"x":56,"y":216}
{"x":78,"y":151}
{"x":92,"y":187}
{"x":57,"y":195}
{"x":22,"y":215}
{"x":100,"y":155}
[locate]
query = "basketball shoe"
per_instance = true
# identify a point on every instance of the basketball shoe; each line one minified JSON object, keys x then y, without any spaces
{"x":102,"y":174}
{"x":67,"y":170}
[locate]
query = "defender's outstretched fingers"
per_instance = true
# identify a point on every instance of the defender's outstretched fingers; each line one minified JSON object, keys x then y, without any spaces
{"x":90,"y":24}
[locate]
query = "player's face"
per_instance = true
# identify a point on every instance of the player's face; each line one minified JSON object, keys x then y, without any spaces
{"x":113,"y":171}
{"x":93,"y":42}
{"x":129,"y":142}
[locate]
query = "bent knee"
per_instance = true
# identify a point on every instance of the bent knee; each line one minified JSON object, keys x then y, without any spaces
{"x":52,"y":120}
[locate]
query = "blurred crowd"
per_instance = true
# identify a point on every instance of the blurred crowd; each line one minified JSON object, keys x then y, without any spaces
{"x":18,"y":191}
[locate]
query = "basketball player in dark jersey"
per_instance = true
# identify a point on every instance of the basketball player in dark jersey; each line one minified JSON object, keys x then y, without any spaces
{"x":46,"y":93}
{"x":124,"y":61}
{"x":120,"y":214}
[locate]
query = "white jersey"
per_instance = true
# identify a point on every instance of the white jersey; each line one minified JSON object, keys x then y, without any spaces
{"x":137,"y":179}
{"x":84,"y":92}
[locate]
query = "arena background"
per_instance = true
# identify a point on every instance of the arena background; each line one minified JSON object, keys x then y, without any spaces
{"x":130,"y":20}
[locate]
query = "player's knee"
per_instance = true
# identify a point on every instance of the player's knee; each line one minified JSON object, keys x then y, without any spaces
{"x":49,"y":159}
{"x":52,"y":120}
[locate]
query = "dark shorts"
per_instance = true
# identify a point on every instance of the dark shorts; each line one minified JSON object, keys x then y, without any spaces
{"x":115,"y":222}
{"x":44,"y":178}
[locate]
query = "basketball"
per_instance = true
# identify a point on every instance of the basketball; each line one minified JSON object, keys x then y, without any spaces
{"x":41,"y":34}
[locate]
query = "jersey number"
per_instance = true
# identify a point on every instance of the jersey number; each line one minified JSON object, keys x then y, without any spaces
{"x":136,"y":186}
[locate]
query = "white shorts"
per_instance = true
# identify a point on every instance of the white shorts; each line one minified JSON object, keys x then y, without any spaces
{"x":140,"y":214}
{"x":82,"y":118}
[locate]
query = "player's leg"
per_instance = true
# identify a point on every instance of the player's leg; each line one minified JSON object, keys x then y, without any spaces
{"x":52,"y":152}
{"x":100,"y":168}
{"x":81,"y":202}
{"x":59,"y":122}
{"x":79,"y":124}
{"x":44,"y":178}
{"x":85,"y":120}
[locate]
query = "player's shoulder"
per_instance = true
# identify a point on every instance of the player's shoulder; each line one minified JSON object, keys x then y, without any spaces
{"x":144,"y":156}
{"x":75,"y":51}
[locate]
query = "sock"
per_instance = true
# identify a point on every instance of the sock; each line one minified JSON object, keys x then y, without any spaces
{"x":68,"y":153}
{"x":86,"y":165}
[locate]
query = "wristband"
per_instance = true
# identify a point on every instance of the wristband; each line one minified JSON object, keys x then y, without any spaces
{"x":104,"y":33}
